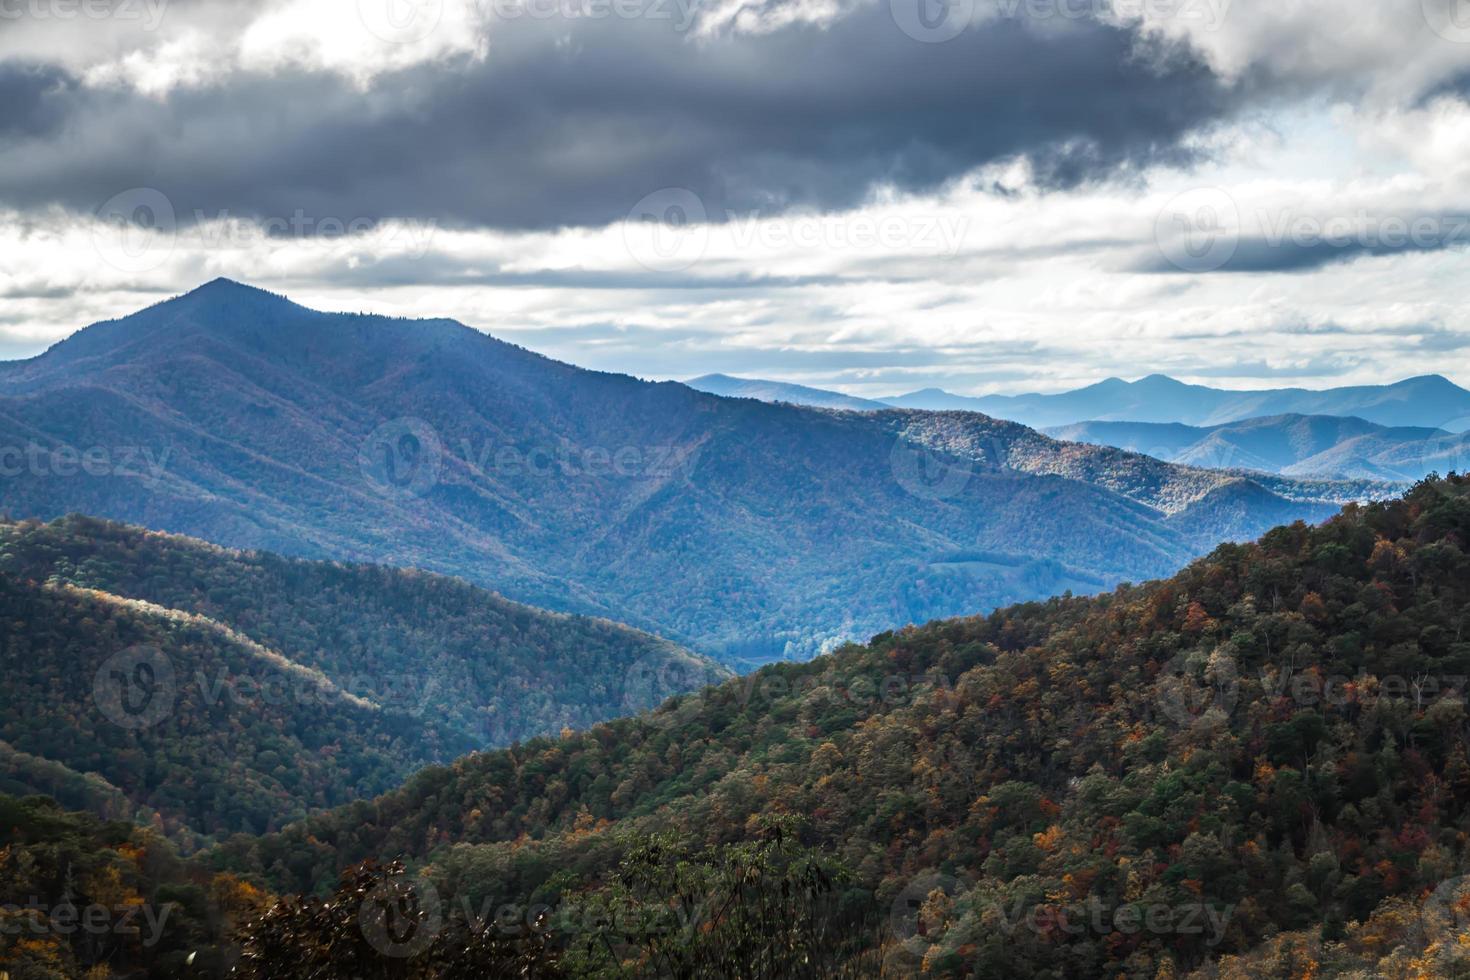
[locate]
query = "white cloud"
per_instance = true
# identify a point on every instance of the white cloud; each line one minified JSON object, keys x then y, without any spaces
{"x":973,"y":288}
{"x":1032,"y":290}
{"x":1389,"y":51}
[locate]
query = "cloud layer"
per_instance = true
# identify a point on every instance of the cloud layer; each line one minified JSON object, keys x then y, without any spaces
{"x":871,"y":195}
{"x":574,"y":121}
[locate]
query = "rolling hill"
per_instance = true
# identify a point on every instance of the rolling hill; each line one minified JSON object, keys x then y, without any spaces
{"x":742,"y":529}
{"x":1292,"y":445}
{"x":1257,"y":767}
{"x":1257,"y":762}
{"x":149,"y":674}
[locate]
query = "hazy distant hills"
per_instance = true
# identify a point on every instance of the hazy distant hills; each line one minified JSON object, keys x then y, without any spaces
{"x":1179,"y":492}
{"x":777,"y":391}
{"x":1294,"y":445}
{"x":1431,"y":402}
{"x":1318,"y":445}
{"x":279,"y":684}
{"x":734,"y":526}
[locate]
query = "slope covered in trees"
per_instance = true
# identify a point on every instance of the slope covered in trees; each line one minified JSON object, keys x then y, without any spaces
{"x":492,"y":670}
{"x":188,"y":719}
{"x":1140,"y":784}
{"x":743,"y":530}
{"x":211,"y":691}
{"x":81,"y":897}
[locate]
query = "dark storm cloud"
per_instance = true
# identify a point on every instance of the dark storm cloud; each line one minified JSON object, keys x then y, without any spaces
{"x":1311,"y":245}
{"x":574,"y":122}
{"x":1261,"y":255}
{"x":36,"y":290}
{"x":33,"y":99}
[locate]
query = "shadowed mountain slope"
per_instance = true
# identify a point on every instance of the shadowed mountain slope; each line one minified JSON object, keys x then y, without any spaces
{"x":742,"y":529}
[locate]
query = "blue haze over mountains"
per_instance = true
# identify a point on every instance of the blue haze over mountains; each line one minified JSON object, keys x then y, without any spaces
{"x":1396,"y":432}
{"x":745,"y":530}
{"x":1430,"y":401}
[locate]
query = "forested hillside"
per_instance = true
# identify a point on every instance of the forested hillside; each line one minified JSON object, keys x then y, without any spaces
{"x":187,"y":719}
{"x":491,"y":670}
{"x":212,"y":691}
{"x":82,"y":897}
{"x":1135,"y":784}
{"x":1189,"y":497}
{"x":743,"y":530}
{"x":1257,"y":767}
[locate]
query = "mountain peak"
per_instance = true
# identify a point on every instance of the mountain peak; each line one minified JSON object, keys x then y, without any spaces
{"x":218,"y":305}
{"x":1436,"y":381}
{"x":1159,"y":381}
{"x":222,"y":282}
{"x":221,"y":288}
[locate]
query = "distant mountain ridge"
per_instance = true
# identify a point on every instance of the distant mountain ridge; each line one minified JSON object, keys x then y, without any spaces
{"x":739,"y":528}
{"x":777,"y":391}
{"x":1430,"y":401}
{"x":1292,"y":445}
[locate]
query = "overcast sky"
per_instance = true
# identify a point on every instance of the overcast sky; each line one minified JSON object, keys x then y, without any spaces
{"x":869,"y":195}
